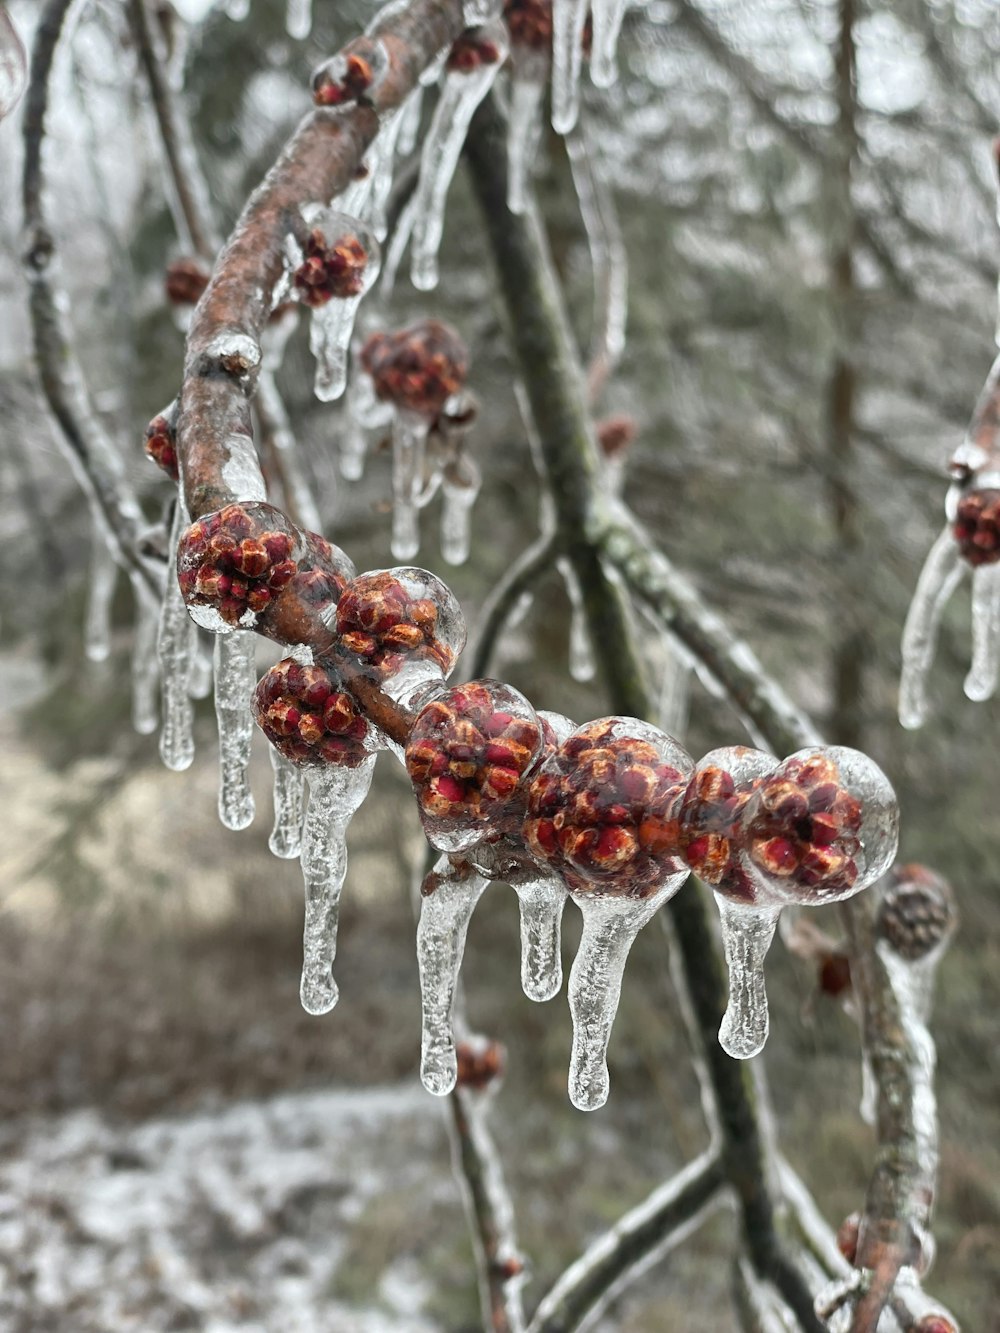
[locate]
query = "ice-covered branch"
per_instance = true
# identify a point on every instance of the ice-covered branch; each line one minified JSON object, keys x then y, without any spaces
{"x":518,"y":580}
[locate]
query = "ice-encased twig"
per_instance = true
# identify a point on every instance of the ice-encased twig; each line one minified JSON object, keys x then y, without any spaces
{"x":444,"y":922}
{"x":457,"y":498}
{"x":101,"y":581}
{"x":746,"y":937}
{"x":942,"y":571}
{"x":174,"y":643}
{"x":568,"y":20}
{"x":581,"y":653}
{"x":145,"y":666}
{"x":607,"y":15}
{"x":235,"y":677}
{"x":610,"y":926}
{"x":981,"y":682}
{"x":528,"y":80}
{"x":289,"y":789}
{"x":460,"y":96}
{"x":541,"y":903}
{"x":409,"y":442}
{"x":298,"y":19}
{"x":335,"y":793}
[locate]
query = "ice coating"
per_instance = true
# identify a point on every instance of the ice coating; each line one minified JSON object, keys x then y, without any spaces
{"x":582,"y":666}
{"x":101,"y":580}
{"x":467,"y":754}
{"x":409,"y":447}
{"x":145,"y":666}
{"x":409,"y":123}
{"x":607,"y":15}
{"x":981,"y":682}
{"x":528,"y":81}
{"x":289,"y":792}
{"x":746,"y":938}
{"x":234,"y":683}
{"x":364,"y":411}
{"x":675,"y":688}
{"x":174,"y":645}
{"x":352,"y":74}
{"x":308,"y":718}
{"x":710,"y":833}
{"x":298,"y":19}
{"x":381,"y":163}
{"x":568,"y":20}
{"x":609,"y":261}
{"x":460,"y":486}
{"x":237,"y":10}
{"x":941,"y":574}
{"x":335,"y":793}
{"x":200,"y":679}
{"x":473,"y":64}
{"x":13,"y":65}
{"x":334,"y":268}
{"x":448,"y":899}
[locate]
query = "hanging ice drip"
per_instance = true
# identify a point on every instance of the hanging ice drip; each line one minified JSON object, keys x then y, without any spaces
{"x":334,"y":260}
{"x":600,"y":815}
{"x":298,"y":19}
{"x":316,"y":727}
{"x":416,"y":370}
{"x":364,"y":411}
{"x":581,"y":654}
{"x":571,"y":35}
{"x":529,"y":23}
{"x":461,"y":482}
{"x":472,"y":65}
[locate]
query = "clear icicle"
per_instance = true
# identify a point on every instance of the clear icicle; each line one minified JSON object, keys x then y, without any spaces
{"x":101,"y":583}
{"x":381,"y":161}
{"x":174,"y":643}
{"x":237,"y":10}
{"x":200,"y":678}
{"x":235,"y":677}
{"x":444,"y":923}
{"x":335,"y":793}
{"x":607,"y":25}
{"x":610,"y":926}
{"x":298,"y":19}
{"x":409,"y":443}
{"x":528,"y":82}
{"x":460,"y":95}
{"x":364,"y":410}
{"x":568,"y":20}
{"x":289,"y":788}
{"x":581,"y":653}
{"x":542,"y":902}
{"x":145,"y":667}
{"x":459,"y":489}
{"x":981,"y":682}
{"x":13,"y":65}
{"x":330,"y":331}
{"x":939,"y":577}
{"x":609,"y":261}
{"x":868,"y":1109}
{"x":409,"y":123}
{"x":746,"y":937}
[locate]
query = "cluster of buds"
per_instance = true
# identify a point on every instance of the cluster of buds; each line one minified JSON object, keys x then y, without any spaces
{"x":417,"y":369}
{"x":307,"y":718}
{"x":232,"y":563}
{"x":323,"y":573}
{"x":331,"y":268}
{"x":710,"y":814}
{"x":161,"y":445}
{"x":976,"y":527}
{"x":185,"y":280}
{"x":392,"y":617}
{"x":917,"y":913}
{"x":602,"y":809}
{"x":529,"y":23}
{"x":466,"y":756}
{"x":480,"y":1063}
{"x":475,"y":47}
{"x":351,"y":75}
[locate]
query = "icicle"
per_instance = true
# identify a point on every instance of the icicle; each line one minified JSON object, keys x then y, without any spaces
{"x":174,"y":649}
{"x":101,"y":582}
{"x":145,"y":667}
{"x":329,"y":338}
{"x":409,"y":442}
{"x":335,"y":793}
{"x":13,"y":65}
{"x":542,"y":902}
{"x":581,"y":653}
{"x":868,"y":1109}
{"x":675,"y":689}
{"x":235,"y":677}
{"x":237,"y":10}
{"x":939,"y":577}
{"x":610,"y":926}
{"x":409,"y":124}
{"x":981,"y":682}
{"x":746,"y":936}
{"x":397,"y":248}
{"x":460,"y":485}
{"x":528,"y":82}
{"x":200,"y":678}
{"x":364,"y":410}
{"x":609,"y":261}
{"x":444,"y":922}
{"x":289,"y":788}
{"x":607,"y":25}
{"x":461,"y":94}
{"x":568,"y":19}
{"x":298,"y":19}
{"x":381,"y":161}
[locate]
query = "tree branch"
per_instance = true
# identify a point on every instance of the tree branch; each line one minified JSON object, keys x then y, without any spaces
{"x":516,"y":580}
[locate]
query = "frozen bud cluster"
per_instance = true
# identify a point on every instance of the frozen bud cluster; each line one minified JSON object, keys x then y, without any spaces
{"x":392,"y":617}
{"x":709,"y":816}
{"x":161,"y":445}
{"x":352,"y":75}
{"x":480,"y":1063}
{"x":467,"y":755}
{"x":917,"y":913}
{"x":976,"y":527}
{"x":418,"y":368}
{"x":529,"y":23}
{"x":473,"y":49}
{"x":185,"y":280}
{"x":601,"y":810}
{"x":335,"y":261}
{"x":308,"y":718}
{"x":232,"y":563}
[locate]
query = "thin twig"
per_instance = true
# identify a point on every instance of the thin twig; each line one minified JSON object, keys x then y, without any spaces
{"x":517,"y":579}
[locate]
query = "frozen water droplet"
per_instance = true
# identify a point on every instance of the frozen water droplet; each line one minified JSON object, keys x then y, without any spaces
{"x":101,"y":582}
{"x":289,"y":789}
{"x":981,"y":682}
{"x":174,"y":648}
{"x":235,"y":677}
{"x":444,"y":922}
{"x":528,"y":82}
{"x":542,"y":902}
{"x":581,"y":654}
{"x":13,"y":65}
{"x":607,"y":16}
{"x":298,"y":19}
{"x":335,"y":793}
{"x":409,"y":442}
{"x":334,"y":288}
{"x":460,"y":96}
{"x":610,"y":925}
{"x":942,"y":571}
{"x":746,"y":936}
{"x":145,"y":667}
{"x":568,"y":20}
{"x":237,"y":353}
{"x":459,"y":489}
